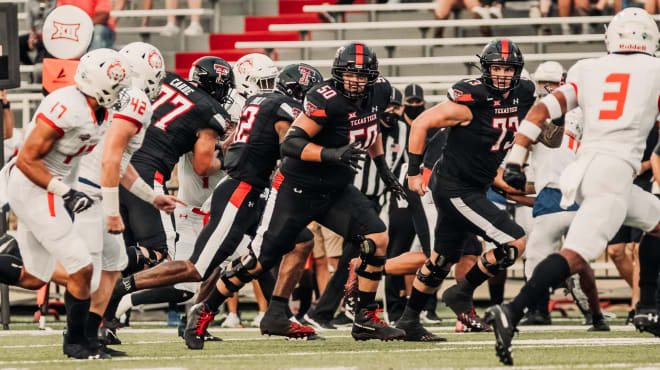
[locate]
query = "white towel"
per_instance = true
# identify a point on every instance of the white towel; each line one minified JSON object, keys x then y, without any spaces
{"x":571,"y":178}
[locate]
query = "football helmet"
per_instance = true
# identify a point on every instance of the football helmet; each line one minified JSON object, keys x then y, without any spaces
{"x":213,"y":75}
{"x":632,"y":30}
{"x":548,"y":72}
{"x":147,"y":67}
{"x":501,"y":52}
{"x":255,"y":74}
{"x":102,"y":74}
{"x":295,"y":80}
{"x":355,"y":57}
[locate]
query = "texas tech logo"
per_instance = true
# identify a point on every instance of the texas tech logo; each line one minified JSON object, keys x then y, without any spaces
{"x":306,"y":75}
{"x":65,"y":31}
{"x":221,"y":70}
{"x":116,"y":72}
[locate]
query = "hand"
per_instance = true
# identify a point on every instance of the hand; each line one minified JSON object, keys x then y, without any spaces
{"x":115,"y":225}
{"x":167,"y":203}
{"x":393,"y":184}
{"x":349,"y":155}
{"x":76,"y":201}
{"x":514,"y":176}
{"x":417,"y":184}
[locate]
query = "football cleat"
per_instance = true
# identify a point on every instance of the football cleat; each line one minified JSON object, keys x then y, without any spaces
{"x":108,"y":333}
{"x":368,"y":325}
{"x":81,"y":351}
{"x":429,"y":317}
{"x":536,"y":318}
{"x":199,"y":318}
{"x":415,"y":332}
{"x":471,"y":322}
{"x":498,"y":317}
{"x":647,"y":320}
{"x":318,"y":324}
{"x":458,"y":300}
{"x":274,"y":325}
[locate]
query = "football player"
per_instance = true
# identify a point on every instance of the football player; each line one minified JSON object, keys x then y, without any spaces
{"x":618,"y":95}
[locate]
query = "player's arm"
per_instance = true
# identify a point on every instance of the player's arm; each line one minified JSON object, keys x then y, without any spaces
{"x":447,"y":114}
{"x":205,"y":162}
{"x":281,"y":127}
{"x":552,"y":106}
{"x":297,"y":144}
{"x":30,"y":161}
{"x":132,"y":181}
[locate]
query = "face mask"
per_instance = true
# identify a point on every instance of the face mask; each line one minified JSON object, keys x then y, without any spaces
{"x":389,"y":122}
{"x":412,"y":111}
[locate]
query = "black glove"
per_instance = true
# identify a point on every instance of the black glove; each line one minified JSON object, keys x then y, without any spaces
{"x":76,"y":201}
{"x":514,"y":176}
{"x":391,"y":182}
{"x":348,"y":155}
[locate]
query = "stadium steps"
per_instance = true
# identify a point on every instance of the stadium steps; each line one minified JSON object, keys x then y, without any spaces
{"x":227,"y":40}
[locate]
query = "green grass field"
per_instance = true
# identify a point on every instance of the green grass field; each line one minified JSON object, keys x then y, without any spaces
{"x":563,"y":345}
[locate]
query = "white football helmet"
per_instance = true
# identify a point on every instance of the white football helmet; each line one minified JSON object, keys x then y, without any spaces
{"x":102,"y":74}
{"x":632,"y":30}
{"x":548,"y":72}
{"x":254,"y":74}
{"x":147,"y":67}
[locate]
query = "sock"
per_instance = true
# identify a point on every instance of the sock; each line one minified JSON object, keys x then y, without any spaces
{"x":542,"y":304}
{"x":10,"y":269}
{"x":649,"y":266}
{"x":551,"y":272}
{"x":126,"y":285}
{"x":496,"y":288}
{"x":475,"y":276}
{"x":365,"y":299}
{"x":122,"y":287}
{"x":416,"y":303}
{"x":169,"y":294}
{"x":77,"y":311}
{"x":215,"y":299}
{"x":92,"y":328}
{"x":278,"y":306}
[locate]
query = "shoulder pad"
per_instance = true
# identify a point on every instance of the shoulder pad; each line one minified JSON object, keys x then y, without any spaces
{"x":468,"y":92}
{"x":135,"y":107}
{"x":318,"y":98}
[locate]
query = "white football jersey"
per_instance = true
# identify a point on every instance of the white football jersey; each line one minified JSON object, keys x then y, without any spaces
{"x":67,"y":111}
{"x":136,"y":109}
{"x":195,"y":189}
{"x":619,"y":96}
{"x":234,"y":109}
{"x":549,"y":163}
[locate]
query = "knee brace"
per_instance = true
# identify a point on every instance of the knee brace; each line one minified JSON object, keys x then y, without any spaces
{"x":10,"y":269}
{"x":376,"y":261}
{"x":9,"y":245}
{"x":367,"y":246}
{"x":438,"y":271}
{"x":137,"y":261}
{"x":505,"y":256}
{"x":239,"y":268}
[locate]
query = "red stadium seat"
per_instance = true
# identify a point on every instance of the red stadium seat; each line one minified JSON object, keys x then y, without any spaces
{"x":183,"y":61}
{"x":261,"y":23}
{"x":227,"y":40}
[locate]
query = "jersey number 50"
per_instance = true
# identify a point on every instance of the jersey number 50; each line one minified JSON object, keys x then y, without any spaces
{"x":366,"y":136}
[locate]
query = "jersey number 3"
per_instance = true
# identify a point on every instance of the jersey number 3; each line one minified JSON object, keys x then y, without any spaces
{"x":617,"y":96}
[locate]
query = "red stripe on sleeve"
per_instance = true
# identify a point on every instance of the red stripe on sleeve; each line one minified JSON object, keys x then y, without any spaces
{"x":465,"y":98}
{"x":132,"y":120}
{"x":52,"y":124}
{"x":239,"y":194}
{"x":318,"y":113}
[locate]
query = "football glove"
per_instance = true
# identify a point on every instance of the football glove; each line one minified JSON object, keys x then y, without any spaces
{"x":514,"y":176}
{"x":348,"y":155}
{"x":76,"y":201}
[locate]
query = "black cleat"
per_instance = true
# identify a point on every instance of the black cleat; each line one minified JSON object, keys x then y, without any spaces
{"x":274,"y":324}
{"x":341,"y":320}
{"x":415,"y":332}
{"x":108,"y":332}
{"x":97,"y":345}
{"x":208,"y":337}
{"x":472,"y":322}
{"x":459,"y":301}
{"x":199,"y":318}
{"x":318,"y":324}
{"x":600,"y":325}
{"x":647,"y":320}
{"x":81,"y":351}
{"x":535,"y":318}
{"x":498,"y":317}
{"x":368,"y":325}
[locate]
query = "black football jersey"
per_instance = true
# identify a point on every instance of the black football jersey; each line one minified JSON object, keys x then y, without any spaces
{"x":256,"y":147}
{"x":180,"y":111}
{"x":475,"y":151}
{"x":343,"y":122}
{"x":435,"y":145}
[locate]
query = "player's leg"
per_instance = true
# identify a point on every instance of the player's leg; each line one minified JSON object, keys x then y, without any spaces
{"x":12,"y":271}
{"x":286,"y":214}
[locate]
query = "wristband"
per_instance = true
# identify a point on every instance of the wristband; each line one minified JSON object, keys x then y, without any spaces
{"x":529,"y":129}
{"x":57,"y":187}
{"x":143,"y":191}
{"x":552,"y":105}
{"x":517,"y":155}
{"x":110,"y":201}
{"x":415,"y":164}
{"x":6,"y":105}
